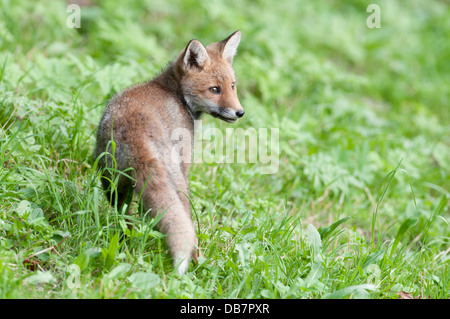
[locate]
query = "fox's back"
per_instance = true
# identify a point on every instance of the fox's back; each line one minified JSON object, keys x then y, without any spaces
{"x":142,"y":115}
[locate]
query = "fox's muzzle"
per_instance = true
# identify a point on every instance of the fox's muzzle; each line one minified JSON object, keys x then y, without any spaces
{"x":227,"y":115}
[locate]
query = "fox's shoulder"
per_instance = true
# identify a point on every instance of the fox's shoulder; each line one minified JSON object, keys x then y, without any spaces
{"x":147,"y":105}
{"x":141,"y":96}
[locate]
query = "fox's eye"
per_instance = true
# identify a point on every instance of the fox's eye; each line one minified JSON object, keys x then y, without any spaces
{"x":233,"y":85}
{"x":214,"y":90}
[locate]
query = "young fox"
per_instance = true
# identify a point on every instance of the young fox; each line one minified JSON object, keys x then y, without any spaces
{"x":141,"y":120}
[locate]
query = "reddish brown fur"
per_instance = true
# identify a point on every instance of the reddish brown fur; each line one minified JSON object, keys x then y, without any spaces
{"x":142,"y":119}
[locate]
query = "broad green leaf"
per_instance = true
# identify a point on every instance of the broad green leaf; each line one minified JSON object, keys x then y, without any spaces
{"x":244,"y":252}
{"x":315,"y":273}
{"x":119,"y":271}
{"x":144,"y":280}
{"x":110,"y":253}
{"x":41,"y":277}
{"x":359,"y":291}
{"x":24,"y":207}
{"x":314,"y":240}
{"x":82,"y":261}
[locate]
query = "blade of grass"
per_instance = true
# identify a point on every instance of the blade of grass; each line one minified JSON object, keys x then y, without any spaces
{"x":408,"y":223}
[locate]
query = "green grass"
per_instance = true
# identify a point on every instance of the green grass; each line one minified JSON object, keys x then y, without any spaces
{"x":357,"y":209}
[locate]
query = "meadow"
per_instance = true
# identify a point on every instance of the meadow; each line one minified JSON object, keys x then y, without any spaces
{"x":357,"y":208}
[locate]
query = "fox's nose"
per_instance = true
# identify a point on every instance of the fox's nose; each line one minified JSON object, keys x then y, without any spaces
{"x":240,"y":113}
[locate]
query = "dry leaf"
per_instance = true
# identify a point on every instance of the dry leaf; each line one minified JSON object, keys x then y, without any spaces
{"x":31,"y":264}
{"x":406,"y":295}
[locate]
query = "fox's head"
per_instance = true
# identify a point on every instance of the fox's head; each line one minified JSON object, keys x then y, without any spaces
{"x":207,"y":78}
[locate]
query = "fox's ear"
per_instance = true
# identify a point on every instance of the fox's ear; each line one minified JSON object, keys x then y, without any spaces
{"x":195,"y":55}
{"x":230,"y":45}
